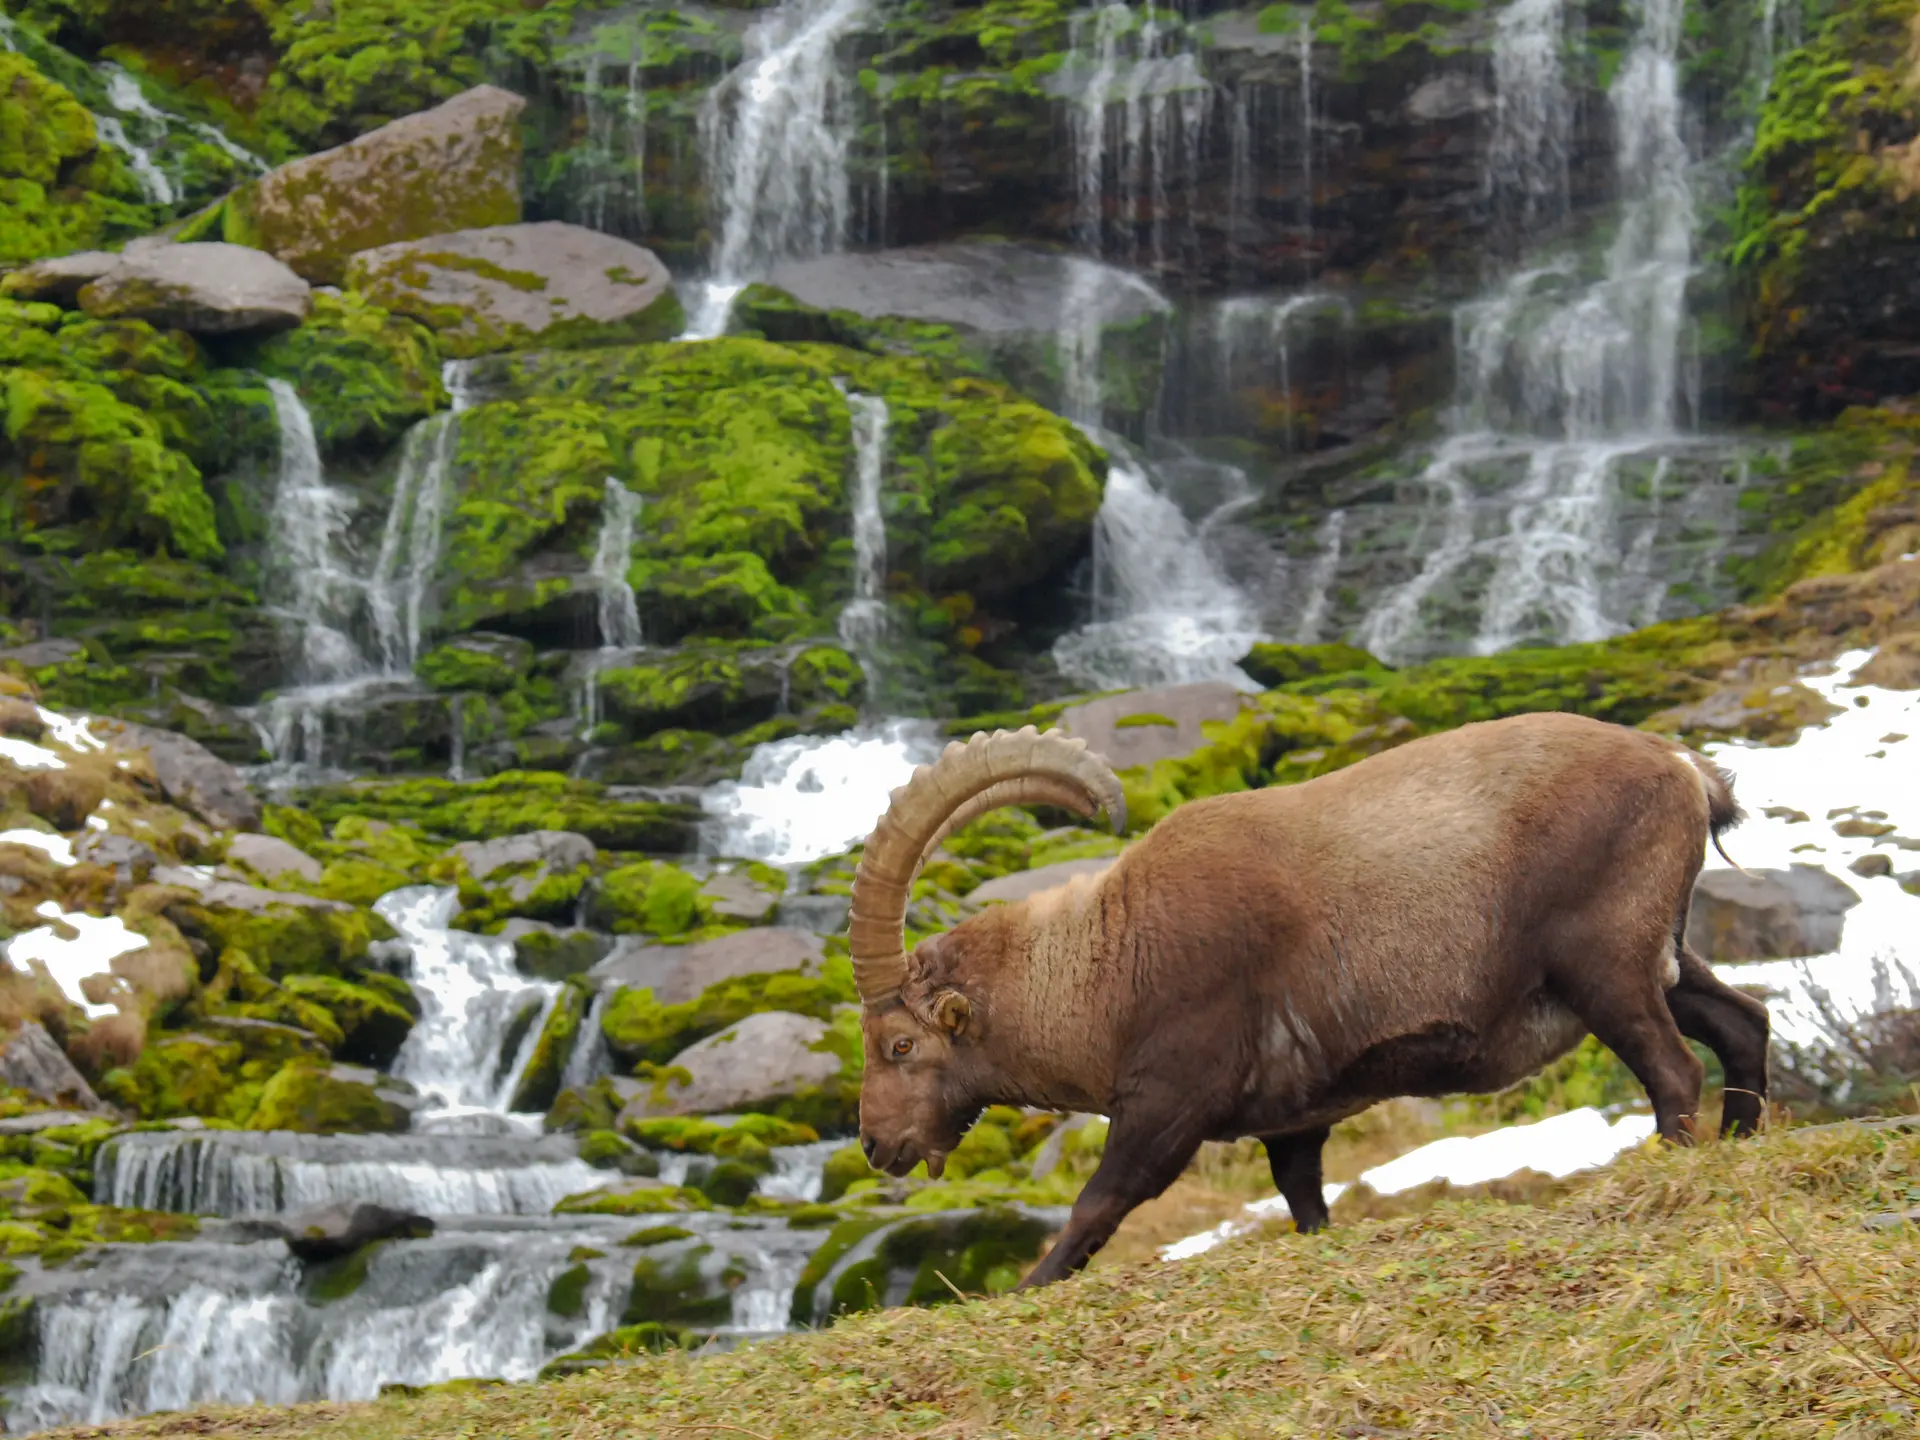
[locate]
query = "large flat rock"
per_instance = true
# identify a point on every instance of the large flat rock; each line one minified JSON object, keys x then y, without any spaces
{"x":190,"y":775}
{"x":1023,"y":883}
{"x":453,"y":167}
{"x":511,"y":286}
{"x":677,"y":973}
{"x":762,"y":1058}
{"x":207,"y":287}
{"x":1144,"y":726}
{"x":990,"y":289}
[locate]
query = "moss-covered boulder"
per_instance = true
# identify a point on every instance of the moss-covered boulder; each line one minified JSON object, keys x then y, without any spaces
{"x":509,"y":803}
{"x":363,"y":374}
{"x":375,"y":1013}
{"x":1275,"y":665}
{"x":282,"y":934}
{"x":448,"y":168}
{"x":649,"y":897}
{"x":725,"y":687}
{"x":684,"y":1284}
{"x":540,"y":1081}
{"x":511,"y":287}
{"x":623,"y":1346}
{"x":925,"y":1258}
{"x":639,"y":1028}
{"x":773,"y":1063}
{"x":639,"y":1195}
{"x":329,"y":1099}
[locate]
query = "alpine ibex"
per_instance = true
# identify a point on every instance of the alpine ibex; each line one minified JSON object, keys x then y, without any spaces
{"x":1444,"y":917}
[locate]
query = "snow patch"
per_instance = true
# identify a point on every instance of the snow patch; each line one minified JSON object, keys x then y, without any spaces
{"x":56,"y":848}
{"x":92,"y":951}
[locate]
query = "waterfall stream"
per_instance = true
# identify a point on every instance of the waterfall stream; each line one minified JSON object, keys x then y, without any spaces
{"x":865,"y":623}
{"x":1565,"y":383}
{"x":775,"y":136}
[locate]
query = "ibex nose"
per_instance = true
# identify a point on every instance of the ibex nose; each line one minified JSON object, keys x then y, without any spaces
{"x":867,"y":1146}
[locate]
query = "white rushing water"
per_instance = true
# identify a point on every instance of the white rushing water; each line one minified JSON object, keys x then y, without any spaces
{"x":813,"y":796}
{"x":1163,"y":613}
{"x":617,"y":609}
{"x":865,"y":624}
{"x":248,"y":1173}
{"x":1140,"y":105}
{"x":470,"y":996}
{"x":775,"y":137}
{"x":1564,"y":381}
{"x":610,"y":192}
{"x":358,"y":628}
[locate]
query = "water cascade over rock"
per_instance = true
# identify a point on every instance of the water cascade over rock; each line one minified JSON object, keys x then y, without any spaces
{"x":1570,"y":388}
{"x":775,"y":136}
{"x":358,"y":632}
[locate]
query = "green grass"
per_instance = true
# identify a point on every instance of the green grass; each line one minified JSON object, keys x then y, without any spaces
{"x":1679,"y":1293}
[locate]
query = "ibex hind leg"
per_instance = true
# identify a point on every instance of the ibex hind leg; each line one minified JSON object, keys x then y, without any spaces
{"x":1732,"y":1025}
{"x":1620,"y":995}
{"x":1295,"y":1162}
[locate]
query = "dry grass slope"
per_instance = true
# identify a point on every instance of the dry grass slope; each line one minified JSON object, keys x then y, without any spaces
{"x":1668,"y":1296}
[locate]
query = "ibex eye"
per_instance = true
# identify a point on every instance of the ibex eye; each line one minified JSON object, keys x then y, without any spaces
{"x":903,"y":1047}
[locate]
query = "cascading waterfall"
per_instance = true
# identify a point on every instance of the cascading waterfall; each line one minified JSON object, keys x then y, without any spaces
{"x":775,"y":136}
{"x":471,"y":995}
{"x":612,"y":194}
{"x":1163,"y":614}
{"x":1561,"y":384}
{"x":865,"y":623}
{"x":617,"y":608}
{"x":410,"y":540}
{"x":1254,"y":337}
{"x":1304,"y":45}
{"x":1140,"y":109}
{"x":327,"y":598}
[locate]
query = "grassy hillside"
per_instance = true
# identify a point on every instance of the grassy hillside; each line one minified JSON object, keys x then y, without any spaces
{"x":1733,"y":1290}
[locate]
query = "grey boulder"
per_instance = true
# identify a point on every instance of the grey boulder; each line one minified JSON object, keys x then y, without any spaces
{"x":206,"y":287}
{"x":763,"y":1058}
{"x":331,"y":1231}
{"x":1768,"y":914}
{"x":678,"y":973}
{"x":32,"y":1062}
{"x":271,"y":858}
{"x":1143,"y":726}
{"x":1024,"y":883}
{"x":190,"y":775}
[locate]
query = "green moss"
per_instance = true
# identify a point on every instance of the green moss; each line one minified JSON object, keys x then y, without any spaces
{"x":866,"y":1259}
{"x":1273,"y":665}
{"x":676,"y":1290}
{"x":61,"y":190}
{"x":634,"y":1200}
{"x":567,"y":1295}
{"x":286,"y":939}
{"x":332,"y":1280}
{"x":747,"y":1138}
{"x":649,"y":897}
{"x":182,"y":1075}
{"x":657,"y":1235}
{"x":492,"y":664}
{"x":374,"y":1016}
{"x":639,"y":1028}
{"x":364,"y":374}
{"x":509,"y":803}
{"x":845,"y":1166}
{"x":629,"y":1342}
{"x":609,"y":1150}
{"x":540,"y":1082}
{"x":319,"y":1100}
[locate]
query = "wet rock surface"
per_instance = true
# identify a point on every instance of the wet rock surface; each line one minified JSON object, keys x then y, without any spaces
{"x":1769,"y":914}
{"x":206,"y":288}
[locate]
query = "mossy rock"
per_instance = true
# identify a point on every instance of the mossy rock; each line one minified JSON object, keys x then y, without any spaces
{"x":61,"y":188}
{"x":567,"y":1295}
{"x":844,"y":1167}
{"x":327,"y":1100}
{"x":609,"y":1150}
{"x":635,"y":1198}
{"x":726,"y":687}
{"x":928,"y":1257}
{"x":649,"y":897}
{"x":656,"y":1235}
{"x":1274,"y":665}
{"x":186,"y":1074}
{"x":364,"y":375}
{"x":286,"y":939}
{"x":490,"y":664}
{"x":375,"y":1015}
{"x":627,"y":1344}
{"x":513,"y":802}
{"x":540,"y":1081}
{"x":337,"y":1279}
{"x":677,"y":1290}
{"x":640,"y":1029}
{"x":746,"y":1139}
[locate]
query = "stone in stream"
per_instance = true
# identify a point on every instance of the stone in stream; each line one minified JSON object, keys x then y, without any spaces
{"x":678,"y":973}
{"x":754,"y":1062}
{"x":548,"y":952}
{"x":533,"y":857}
{"x":331,"y":1231}
{"x":205,"y":288}
{"x":1768,"y":914}
{"x":448,"y":168}
{"x":511,"y":286}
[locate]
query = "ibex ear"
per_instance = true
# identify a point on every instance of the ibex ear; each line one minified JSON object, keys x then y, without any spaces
{"x":952,"y":1012}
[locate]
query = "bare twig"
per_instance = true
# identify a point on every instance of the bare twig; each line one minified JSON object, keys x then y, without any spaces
{"x":957,"y":1293}
{"x":1847,"y":1305}
{"x":1844,"y":1344}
